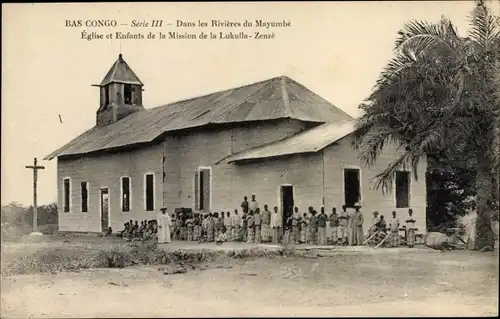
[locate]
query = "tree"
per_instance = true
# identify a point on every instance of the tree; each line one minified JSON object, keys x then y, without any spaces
{"x":438,"y":96}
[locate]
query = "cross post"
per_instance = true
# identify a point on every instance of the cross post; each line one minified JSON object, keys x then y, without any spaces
{"x":35,"y":169}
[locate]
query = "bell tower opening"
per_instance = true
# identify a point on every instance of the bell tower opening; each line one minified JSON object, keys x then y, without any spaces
{"x":121,"y":93}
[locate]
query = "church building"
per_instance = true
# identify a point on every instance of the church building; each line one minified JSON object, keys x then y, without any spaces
{"x":275,"y":139}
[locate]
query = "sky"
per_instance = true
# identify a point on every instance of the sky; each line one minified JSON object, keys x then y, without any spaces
{"x":336,"y":49}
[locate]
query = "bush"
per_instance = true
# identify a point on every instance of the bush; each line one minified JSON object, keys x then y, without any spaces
{"x":122,"y":255}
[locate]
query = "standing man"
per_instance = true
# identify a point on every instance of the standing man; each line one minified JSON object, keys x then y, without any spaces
{"x":334,"y":224}
{"x":394,"y":224}
{"x":164,"y":224}
{"x":266,"y":222}
{"x":276,"y":225}
{"x":410,"y":229}
{"x":322,"y":227}
{"x":253,"y":205}
{"x":244,"y":205}
{"x":359,"y":220}
{"x":351,"y":226}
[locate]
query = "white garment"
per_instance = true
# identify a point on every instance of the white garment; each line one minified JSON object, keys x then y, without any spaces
{"x":275,"y":220}
{"x":164,"y":224}
{"x":228,"y":221}
{"x":253,"y":205}
{"x":236,"y":220}
{"x":408,"y":224}
{"x":394,"y":224}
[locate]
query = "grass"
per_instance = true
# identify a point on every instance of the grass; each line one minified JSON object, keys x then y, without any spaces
{"x":59,"y":253}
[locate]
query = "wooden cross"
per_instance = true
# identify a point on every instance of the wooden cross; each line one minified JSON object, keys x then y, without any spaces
{"x":35,"y":169}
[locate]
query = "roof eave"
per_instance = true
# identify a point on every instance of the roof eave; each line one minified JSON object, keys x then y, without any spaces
{"x":104,"y":83}
{"x":258,"y":158}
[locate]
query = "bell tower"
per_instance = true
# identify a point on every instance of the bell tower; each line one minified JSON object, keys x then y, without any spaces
{"x":121,"y":93}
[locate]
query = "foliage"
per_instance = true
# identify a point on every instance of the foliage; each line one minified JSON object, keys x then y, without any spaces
{"x":439,"y":95}
{"x":15,"y":213}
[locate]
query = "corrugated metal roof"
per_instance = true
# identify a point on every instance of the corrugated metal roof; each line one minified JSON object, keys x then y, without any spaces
{"x":120,"y":72}
{"x":309,"y":141}
{"x":276,"y":98}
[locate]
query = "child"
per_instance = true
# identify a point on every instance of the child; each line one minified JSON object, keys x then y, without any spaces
{"x":410,"y":229}
{"x":196,"y":227}
{"x":394,"y":224}
{"x":288,"y":229}
{"x":304,"y":224}
{"x":343,"y":221}
{"x":334,"y":225}
{"x":183,"y":227}
{"x":250,"y":227}
{"x":244,"y":227}
{"x":210,"y":228}
{"x":257,"y":223}
{"x":222,"y":237}
{"x":189,"y":226}
{"x":204,"y":229}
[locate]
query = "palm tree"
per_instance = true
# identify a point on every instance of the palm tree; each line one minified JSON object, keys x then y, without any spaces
{"x":439,"y":93}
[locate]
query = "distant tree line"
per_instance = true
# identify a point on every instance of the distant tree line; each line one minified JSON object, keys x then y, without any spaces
{"x":18,"y":214}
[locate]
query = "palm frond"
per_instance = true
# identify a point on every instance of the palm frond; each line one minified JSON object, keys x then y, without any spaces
{"x":423,"y":37}
{"x":484,"y":27}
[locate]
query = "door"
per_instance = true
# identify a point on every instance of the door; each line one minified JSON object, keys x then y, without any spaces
{"x":104,"y":209}
{"x":286,"y":202}
{"x":352,"y":188}
{"x":205,"y":190}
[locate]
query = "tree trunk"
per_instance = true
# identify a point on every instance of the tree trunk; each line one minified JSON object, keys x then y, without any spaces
{"x":485,"y":240}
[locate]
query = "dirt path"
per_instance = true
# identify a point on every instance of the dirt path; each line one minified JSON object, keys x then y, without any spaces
{"x":454,"y":284}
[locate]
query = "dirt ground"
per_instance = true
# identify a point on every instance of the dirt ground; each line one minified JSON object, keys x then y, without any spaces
{"x":361,"y":282}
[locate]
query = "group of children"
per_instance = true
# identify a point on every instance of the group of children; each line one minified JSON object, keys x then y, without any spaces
{"x":256,"y":226}
{"x":146,"y":230}
{"x":379,"y":229}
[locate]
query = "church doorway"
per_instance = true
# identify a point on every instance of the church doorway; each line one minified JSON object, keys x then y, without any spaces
{"x":104,"y":209}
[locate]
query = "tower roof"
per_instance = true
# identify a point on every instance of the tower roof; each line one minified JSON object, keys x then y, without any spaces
{"x":120,"y":72}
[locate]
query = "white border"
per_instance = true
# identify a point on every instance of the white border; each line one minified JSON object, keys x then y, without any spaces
{"x":129,"y":195}
{"x":70,"y":204}
{"x":100,"y":206}
{"x":88,"y":196}
{"x":209,"y":187}
{"x":344,"y":167}
{"x":410,"y":181}
{"x":154,"y":191}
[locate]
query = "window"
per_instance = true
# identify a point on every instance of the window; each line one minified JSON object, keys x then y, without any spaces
{"x":202,"y":189}
{"x":66,"y":194}
{"x":106,"y":95}
{"x":402,"y":189}
{"x":84,"y":194}
{"x":149,"y":192}
{"x":127,"y":92}
{"x":125,"y":194}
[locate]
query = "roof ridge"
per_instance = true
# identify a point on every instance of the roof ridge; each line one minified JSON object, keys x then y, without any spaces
{"x":238,"y":103}
{"x":216,"y":92}
{"x":284,"y":95}
{"x":330,"y":105}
